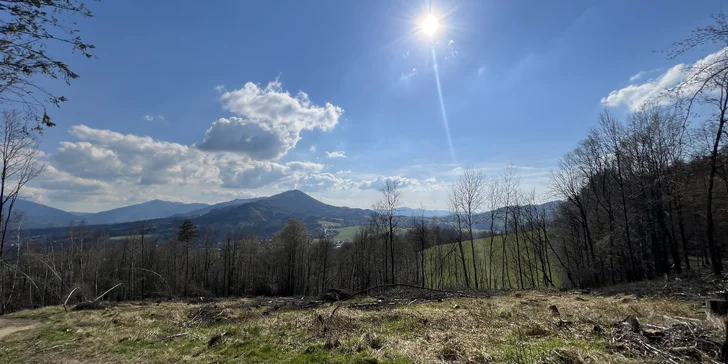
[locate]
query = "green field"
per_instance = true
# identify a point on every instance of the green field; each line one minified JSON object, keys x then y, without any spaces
{"x":443,"y":263}
{"x":329,"y":224}
{"x":346,"y":233}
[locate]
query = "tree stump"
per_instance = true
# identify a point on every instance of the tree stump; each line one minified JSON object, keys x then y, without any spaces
{"x":716,"y":311}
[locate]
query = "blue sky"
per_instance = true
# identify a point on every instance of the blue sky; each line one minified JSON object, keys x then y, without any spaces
{"x":202,"y":103}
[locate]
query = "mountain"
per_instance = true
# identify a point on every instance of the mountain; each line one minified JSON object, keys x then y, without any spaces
{"x":36,"y":215}
{"x":268,"y":215}
{"x":206,"y":209}
{"x":150,"y":210}
{"x":407,"y":211}
{"x":499,"y":221}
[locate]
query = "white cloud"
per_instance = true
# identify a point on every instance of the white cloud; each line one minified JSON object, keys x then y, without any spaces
{"x":112,"y":156}
{"x":336,"y":154}
{"x":637,"y":76}
{"x":220,"y":88}
{"x":270,"y":122}
{"x":451,"y":46}
{"x":142,"y":168}
{"x":656,"y":89}
{"x":312,"y":149}
{"x":148,"y":117}
{"x":378,"y":182}
{"x":344,"y":172}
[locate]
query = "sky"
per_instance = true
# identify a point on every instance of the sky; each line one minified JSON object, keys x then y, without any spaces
{"x":195,"y":103}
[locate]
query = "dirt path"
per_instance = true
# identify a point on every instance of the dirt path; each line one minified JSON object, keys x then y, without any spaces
{"x":8,"y":327}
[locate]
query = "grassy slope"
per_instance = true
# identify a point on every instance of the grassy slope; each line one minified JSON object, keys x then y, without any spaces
{"x":498,"y":329}
{"x":482,"y":252}
{"x":346,"y":233}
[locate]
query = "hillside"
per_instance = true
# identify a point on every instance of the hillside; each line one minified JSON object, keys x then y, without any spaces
{"x":268,"y":215}
{"x":499,"y":222}
{"x":150,"y":210}
{"x":206,"y":209}
{"x":424,"y":327}
{"x":36,"y":215}
{"x":444,"y":267}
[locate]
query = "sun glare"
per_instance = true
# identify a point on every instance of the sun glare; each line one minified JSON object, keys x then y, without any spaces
{"x":430,"y":25}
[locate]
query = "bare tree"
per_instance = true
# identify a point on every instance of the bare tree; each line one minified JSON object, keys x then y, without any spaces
{"x":20,"y":158}
{"x":469,"y":194}
{"x":29,"y":27}
{"x":493,"y":205}
{"x":708,"y":83}
{"x":458,"y":218}
{"x":391,"y":200}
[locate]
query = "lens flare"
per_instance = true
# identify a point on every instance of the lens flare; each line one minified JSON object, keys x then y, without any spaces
{"x":430,"y":25}
{"x":442,"y":104}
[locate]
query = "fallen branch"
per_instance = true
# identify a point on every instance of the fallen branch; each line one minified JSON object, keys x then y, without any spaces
{"x":109,"y":290}
{"x":334,"y":311}
{"x":150,"y":271}
{"x":68,"y":298}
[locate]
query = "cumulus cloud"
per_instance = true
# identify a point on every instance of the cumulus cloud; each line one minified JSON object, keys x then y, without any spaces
{"x":656,"y":89}
{"x":312,"y":149}
{"x":256,"y":174}
{"x":336,"y":154}
{"x":110,"y":156}
{"x":260,"y":141}
{"x":53,"y":179}
{"x":378,"y":182}
{"x":270,"y":121}
{"x":104,"y":157}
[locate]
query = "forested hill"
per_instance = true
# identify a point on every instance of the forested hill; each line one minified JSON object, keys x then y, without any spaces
{"x":268,"y":215}
{"x":262,"y":216}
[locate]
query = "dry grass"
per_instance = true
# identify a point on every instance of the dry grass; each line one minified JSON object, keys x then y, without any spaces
{"x":517,"y":328}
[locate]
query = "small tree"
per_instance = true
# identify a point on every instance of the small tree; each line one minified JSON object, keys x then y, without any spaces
{"x":391,"y":199}
{"x":187,"y":233}
{"x":469,"y":194}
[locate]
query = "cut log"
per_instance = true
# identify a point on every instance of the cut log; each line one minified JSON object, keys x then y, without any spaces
{"x":717,"y":311}
{"x":716,"y":308}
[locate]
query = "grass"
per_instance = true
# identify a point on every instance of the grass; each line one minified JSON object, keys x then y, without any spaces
{"x":514,"y":328}
{"x":346,"y":233}
{"x":482,"y":251}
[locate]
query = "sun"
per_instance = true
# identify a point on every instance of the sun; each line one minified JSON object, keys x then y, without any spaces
{"x":430,"y":25}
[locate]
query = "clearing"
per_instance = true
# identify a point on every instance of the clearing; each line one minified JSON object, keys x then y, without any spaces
{"x":414,"y":327}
